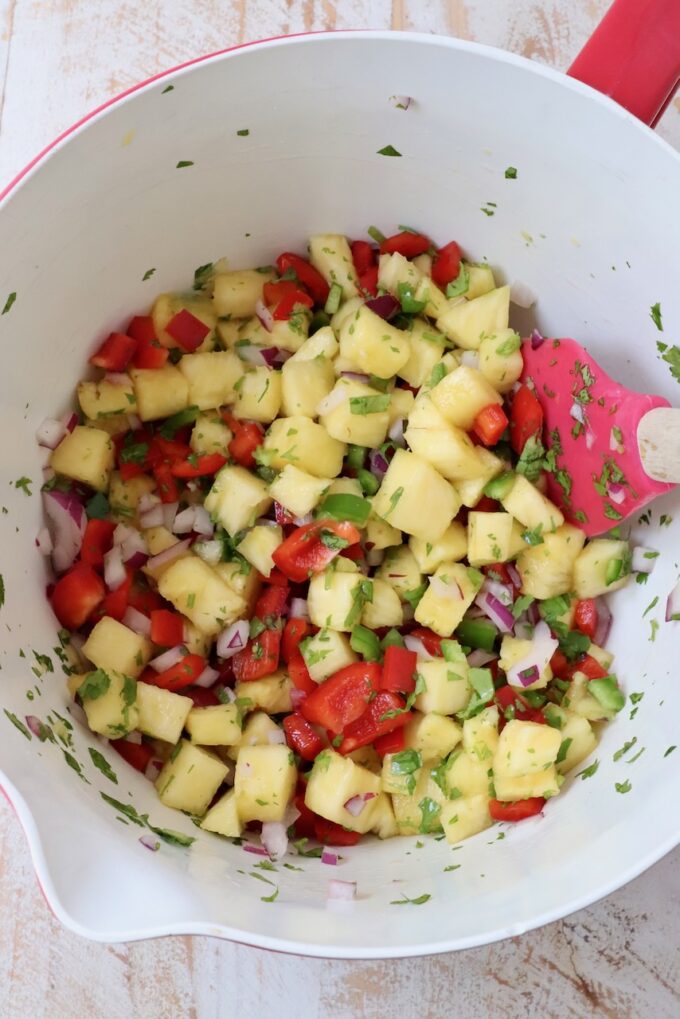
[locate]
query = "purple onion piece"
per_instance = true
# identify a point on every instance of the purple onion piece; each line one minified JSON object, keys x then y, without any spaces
{"x":536,"y":339}
{"x":386,"y":306}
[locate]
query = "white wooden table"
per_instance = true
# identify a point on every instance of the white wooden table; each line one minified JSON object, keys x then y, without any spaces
{"x":618,"y":959}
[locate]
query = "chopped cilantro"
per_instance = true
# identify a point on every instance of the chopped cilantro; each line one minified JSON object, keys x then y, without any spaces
{"x":147,"y":275}
{"x":103,"y":765}
{"x":394,"y":499}
{"x":588,"y":772}
{"x":94,"y":685}
{"x":655,"y":315}
{"x":17,"y":724}
{"x":672,"y":358}
{"x":511,"y":173}
{"x":202,"y":275}
{"x":168,"y":88}
{"x":460,"y":285}
{"x":413,"y":902}
{"x":388,"y":150}
{"x":23,"y":484}
{"x":184,"y":162}
{"x":243,"y":132}
{"x":9,"y":302}
{"x":363,"y":405}
{"x":623,"y":787}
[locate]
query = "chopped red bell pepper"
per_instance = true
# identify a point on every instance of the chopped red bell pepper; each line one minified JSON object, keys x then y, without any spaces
{"x":299,"y":673}
{"x":198,"y":465}
{"x":368,"y":281}
{"x":164,"y":450}
{"x":585,"y":616}
{"x":167,"y":628}
{"x":76,"y":595}
{"x":487,"y":505}
{"x":116,"y":602}
{"x":526,"y":418}
{"x":363,"y":256}
{"x":432,"y":642}
{"x":144,"y":599}
{"x":446,"y":264}
{"x":490,"y":424}
{"x":115,"y":353}
{"x":97,"y":541}
{"x":301,"y":737}
{"x":202,"y":697}
{"x":283,"y":296}
{"x":187,"y":330}
{"x":399,"y":667}
{"x":277,"y":579}
{"x":407,"y":244}
{"x":508,"y":697}
{"x":271,"y":602}
{"x":343,"y":698}
{"x":500,"y":573}
{"x":384,"y":714}
{"x":309,"y":549}
{"x":166,"y":483}
{"x":248,"y":435}
{"x":516,"y":811}
{"x":259,"y":658}
{"x":564,"y":669}
{"x":328,"y":833}
{"x":282,"y":516}
{"x":304,"y":824}
{"x":310,"y":277}
{"x":149,"y":352}
{"x":391,"y":743}
{"x":183,"y":673}
{"x":138,"y":755}
{"x":142,"y":329}
{"x":295,"y":630}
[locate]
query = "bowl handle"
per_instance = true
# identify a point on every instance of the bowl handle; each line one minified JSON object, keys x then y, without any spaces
{"x":634,"y":56}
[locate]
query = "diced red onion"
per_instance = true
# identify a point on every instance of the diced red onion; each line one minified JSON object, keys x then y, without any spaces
{"x":134,"y":422}
{"x":274,"y":357}
{"x":121,"y":533}
{"x":614,"y":444}
{"x":355,"y":804}
{"x":401,"y":102}
{"x":617,"y":493}
{"x":343,"y":891}
{"x":543,"y":647}
{"x":134,"y":737}
{"x":533,"y":615}
{"x":301,"y":521}
{"x":522,"y":295}
{"x":298,"y":609}
{"x":137,"y":621}
{"x":169,"y":514}
{"x":152,"y":517}
{"x":209,"y":551}
{"x":251,"y":354}
{"x":203,"y":525}
{"x":50,"y":433}
{"x":133,"y":545}
{"x":69,"y":420}
{"x":643,"y":560}
{"x":673,"y":604}
{"x":227,"y":695}
{"x":117,"y":378}
{"x":169,"y":555}
{"x":208,"y":677}
{"x":329,"y":858}
{"x":536,"y":339}
{"x":416,"y":644}
{"x":513,"y":573}
{"x":375,"y":556}
{"x":36,"y":726}
{"x":248,"y":847}
{"x":386,"y":306}
{"x":291,"y":815}
{"x":356,"y":377}
{"x":590,"y":438}
{"x":499,"y":614}
{"x":335,"y":398}
{"x":168,"y":658}
{"x":478,"y":658}
{"x":441,"y":589}
{"x":524,"y":630}
{"x":276,"y":736}
{"x":153,"y":770}
{"x":66,"y":521}
{"x":264,"y":315}
{"x":378,"y":464}
{"x":274,"y":839}
{"x":149,"y":842}
{"x":44,"y":542}
{"x":577,"y":413}
{"x":114,"y":569}
{"x":604,"y":622}
{"x":500,"y":591}
{"x":48,"y":473}
{"x":184,"y":521}
{"x":233,"y":639}
{"x":297,"y":697}
{"x":396,"y":432}
{"x":470,"y":358}
{"x":147,"y":501}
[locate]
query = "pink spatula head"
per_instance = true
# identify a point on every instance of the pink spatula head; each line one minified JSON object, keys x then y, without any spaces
{"x":591,"y":423}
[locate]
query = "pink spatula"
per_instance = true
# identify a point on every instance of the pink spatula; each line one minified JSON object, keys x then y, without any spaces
{"x":615,"y":449}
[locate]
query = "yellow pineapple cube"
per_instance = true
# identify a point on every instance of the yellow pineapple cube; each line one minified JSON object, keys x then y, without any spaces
{"x":384,"y":608}
{"x":271,"y":693}
{"x":450,"y":450}
{"x":460,"y":396}
{"x":449,"y":595}
{"x":196,"y":590}
{"x":481,"y":280}
{"x":357,"y":414}
{"x":297,"y":491}
{"x":104,"y":399}
{"x":465,"y":322}
{"x":523,"y":787}
{"x":115,"y":648}
{"x":531,"y":507}
{"x":222,"y":818}
{"x":471,"y":490}
{"x":547,"y":569}
{"x":160,"y":392}
{"x":258,"y":730}
{"x":218,"y":725}
{"x":432,"y":735}
{"x":500,"y":359}
{"x":210,"y":434}
{"x":334,"y":780}
{"x":451,"y":547}
{"x":166,"y":306}
{"x":331,"y":255}
{"x":109,"y":702}
{"x":162,"y":714}
{"x":480,"y":734}
{"x":211,"y":377}
{"x":306,"y":444}
{"x":259,"y":544}
{"x":325,"y":653}
{"x":446,"y":686}
{"x":465,"y":817}
{"x":304,"y":384}
{"x":513,"y":650}
{"x":237,"y":498}
{"x":489,"y":538}
{"x":380,"y":534}
{"x":264,"y":782}
{"x":258,"y":396}
{"x":466,"y":775}
{"x":321,"y":343}
{"x":372,"y":345}
{"x":427,"y":347}
{"x":400,"y":570}
{"x":602,"y":566}
{"x":243,"y":580}
{"x":87,"y":455}
{"x":236,"y":293}
{"x":334,"y":599}
{"x":525,"y":747}
{"x":410,"y":480}
{"x":124,"y":497}
{"x":190,"y":778}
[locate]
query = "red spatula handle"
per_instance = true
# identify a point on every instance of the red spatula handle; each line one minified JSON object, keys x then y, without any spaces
{"x":634,"y":56}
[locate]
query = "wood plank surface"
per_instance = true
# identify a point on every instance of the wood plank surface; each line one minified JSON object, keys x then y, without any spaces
{"x":618,"y":959}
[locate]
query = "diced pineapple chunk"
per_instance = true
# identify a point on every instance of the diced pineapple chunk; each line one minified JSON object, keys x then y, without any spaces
{"x":331,"y":255}
{"x":103,"y":399}
{"x":115,"y":648}
{"x":466,"y":321}
{"x":218,"y":725}
{"x":465,"y":817}
{"x":434,"y":736}
{"x":400,"y":570}
{"x":222,"y":818}
{"x":162,"y":714}
{"x":259,"y":544}
{"x":380,"y":534}
{"x":297,"y":491}
{"x":400,"y":772}
{"x":210,"y":434}
{"x":243,"y":580}
{"x":450,"y":450}
{"x":190,"y":778}
{"x":264,"y":782}
{"x":322,"y":342}
{"x":166,"y":306}
{"x":447,"y":689}
{"x":427,"y":347}
{"x":384,"y":608}
{"x":334,"y":780}
{"x":236,"y":293}
{"x":237,"y":498}
{"x":372,"y":345}
{"x":384,"y":822}
{"x":195,"y":642}
{"x":576,"y":734}
{"x":579,"y":700}
{"x":547,"y":570}
{"x":409,"y":480}
{"x":306,"y":444}
{"x":480,"y":734}
{"x":395,"y":269}
{"x":304,"y":384}
{"x":402,"y":402}
{"x":227,"y":330}
{"x":471,"y":490}
{"x":325,"y":653}
{"x":449,"y":595}
{"x":523,"y":787}
{"x":602,"y":566}
{"x":347,"y":413}
{"x":481,"y":280}
{"x":461,"y":395}
{"x":109,"y":702}
{"x":334,"y":599}
{"x":524,"y":748}
{"x":419,"y":810}
{"x":258,"y":730}
{"x":489,"y":538}
{"x":124,"y":496}
{"x":531,"y":507}
{"x":500,"y":359}
{"x":271,"y":693}
{"x":258,"y":395}
{"x":196,"y":590}
{"x":286,"y":334}
{"x":451,"y":547}
{"x":85,"y":454}
{"x":513,"y":650}
{"x":160,"y":392}
{"x":466,"y":775}
{"x":211,"y":378}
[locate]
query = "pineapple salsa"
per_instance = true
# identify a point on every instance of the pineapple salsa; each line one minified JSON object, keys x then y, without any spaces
{"x":303,"y":550}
